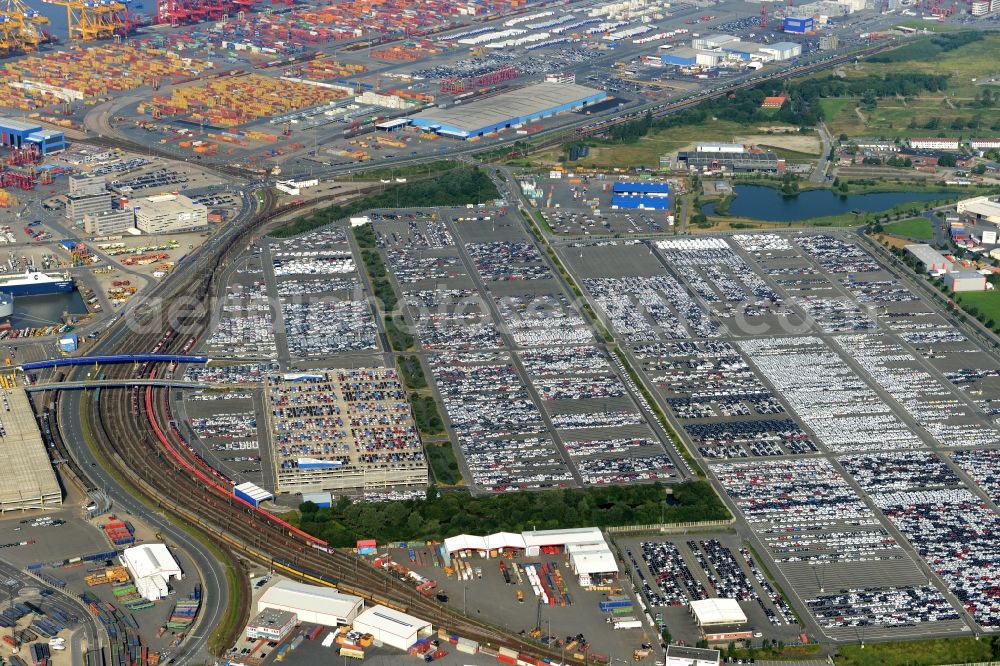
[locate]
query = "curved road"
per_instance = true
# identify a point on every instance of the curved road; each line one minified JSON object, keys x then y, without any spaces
{"x":215,"y":597}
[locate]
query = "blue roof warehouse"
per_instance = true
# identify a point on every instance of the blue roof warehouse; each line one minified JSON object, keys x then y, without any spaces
{"x":509,"y":109}
{"x":19,"y":134}
{"x":643,"y":196}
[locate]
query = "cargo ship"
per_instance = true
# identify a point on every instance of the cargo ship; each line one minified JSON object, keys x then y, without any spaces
{"x":35,"y":283}
{"x":6,"y":305}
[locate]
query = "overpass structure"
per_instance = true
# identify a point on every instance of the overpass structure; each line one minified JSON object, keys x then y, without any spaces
{"x":119,"y":358}
{"x":112,"y":383}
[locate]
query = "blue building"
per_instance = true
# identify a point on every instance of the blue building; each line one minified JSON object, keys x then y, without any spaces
{"x":798,"y":25}
{"x":681,"y":56}
{"x":642,"y":196}
{"x":511,"y":109}
{"x":48,"y":141}
{"x":251,"y":494}
{"x":19,"y":134}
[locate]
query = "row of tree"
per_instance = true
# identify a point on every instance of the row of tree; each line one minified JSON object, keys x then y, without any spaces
{"x":441,"y":515}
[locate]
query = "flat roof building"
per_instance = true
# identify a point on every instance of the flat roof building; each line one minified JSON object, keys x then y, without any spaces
{"x":311,"y":603}
{"x":712,"y":41}
{"x":712,"y":147}
{"x":169,"y":214}
{"x":87,"y":186}
{"x":78,"y":207}
{"x":743,"y":162}
{"x":392,"y":627}
{"x":311,"y":454}
{"x":782,"y":50}
{"x":517,"y":107}
{"x":682,"y":56}
{"x":271,"y":624}
{"x":982,"y":209}
{"x":109,"y":222}
{"x":932,"y":260}
{"x":682,"y":655}
{"x":717,"y":612}
{"x":28,"y":481}
{"x":640,"y":196}
{"x":152,"y":566}
{"x":965,"y":281}
{"x":14,"y":133}
{"x":48,"y":141}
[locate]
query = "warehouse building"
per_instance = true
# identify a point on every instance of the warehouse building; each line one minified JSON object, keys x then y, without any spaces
{"x":933,"y":261}
{"x":251,"y":494}
{"x":28,"y":481}
{"x":741,"y":162}
{"x":745,"y":51}
{"x":109,"y":222}
{"x":965,"y":281}
{"x":711,"y":41}
{"x":642,"y":196}
{"x":169,"y":214}
{"x":711,"y":147}
{"x":682,"y":56}
{"x":720,"y":620}
{"x":798,"y":25}
{"x":271,"y":624}
{"x":310,"y":603}
{"x":392,"y":627}
{"x":980,"y":209}
{"x":782,"y":50}
{"x":518,"y":107}
{"x":19,"y":134}
{"x":152,"y":566}
{"x":48,"y":141}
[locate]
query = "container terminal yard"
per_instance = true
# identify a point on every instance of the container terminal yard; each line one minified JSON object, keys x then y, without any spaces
{"x":200,"y":370}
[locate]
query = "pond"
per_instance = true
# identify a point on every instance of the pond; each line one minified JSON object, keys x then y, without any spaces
{"x":766,"y":203}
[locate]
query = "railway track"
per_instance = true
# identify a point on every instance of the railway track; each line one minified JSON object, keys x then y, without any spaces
{"x":131,"y":429}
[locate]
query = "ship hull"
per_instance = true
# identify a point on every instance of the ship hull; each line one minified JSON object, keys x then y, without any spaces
{"x":38,"y":288}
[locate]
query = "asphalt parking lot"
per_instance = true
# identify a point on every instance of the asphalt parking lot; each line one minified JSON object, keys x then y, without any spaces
{"x":492,"y":598}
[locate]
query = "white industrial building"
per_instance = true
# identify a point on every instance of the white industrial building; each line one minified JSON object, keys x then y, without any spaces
{"x":295,"y":187}
{"x":717,"y":612}
{"x":782,"y":50}
{"x":711,"y":41}
{"x":311,"y":603}
{"x":682,"y":655}
{"x":981,"y":209}
{"x":392,"y":627}
{"x":941,"y":143}
{"x":932,"y":260}
{"x":718,"y":147}
{"x":151,"y":566}
{"x":169,"y":214}
{"x":965,"y":281}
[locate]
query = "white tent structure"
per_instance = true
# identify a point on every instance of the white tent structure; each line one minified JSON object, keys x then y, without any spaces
{"x":498,"y":541}
{"x":717,"y":612}
{"x":151,"y":565}
{"x":592,"y":559}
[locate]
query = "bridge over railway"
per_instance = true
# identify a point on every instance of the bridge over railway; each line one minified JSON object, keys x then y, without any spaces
{"x":111,"y":359}
{"x":113,"y":383}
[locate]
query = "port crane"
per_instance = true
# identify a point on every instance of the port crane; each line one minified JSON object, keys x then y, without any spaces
{"x":91,"y":20}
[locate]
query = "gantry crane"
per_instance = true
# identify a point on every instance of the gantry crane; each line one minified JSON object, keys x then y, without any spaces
{"x":21,"y":28}
{"x":90,"y":20}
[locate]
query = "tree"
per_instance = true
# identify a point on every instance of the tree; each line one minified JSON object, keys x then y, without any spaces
{"x":308,"y":507}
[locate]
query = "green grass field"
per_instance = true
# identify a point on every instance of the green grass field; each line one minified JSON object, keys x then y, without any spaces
{"x":892,"y":116}
{"x":986,"y":302}
{"x":915,"y":227}
{"x":915,"y":653}
{"x":647,"y":150}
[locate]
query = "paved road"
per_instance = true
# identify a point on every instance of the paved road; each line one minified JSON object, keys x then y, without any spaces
{"x":216,"y":595}
{"x":819,"y":175}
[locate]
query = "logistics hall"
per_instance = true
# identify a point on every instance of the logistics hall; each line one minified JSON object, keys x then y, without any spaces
{"x":518,"y":107}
